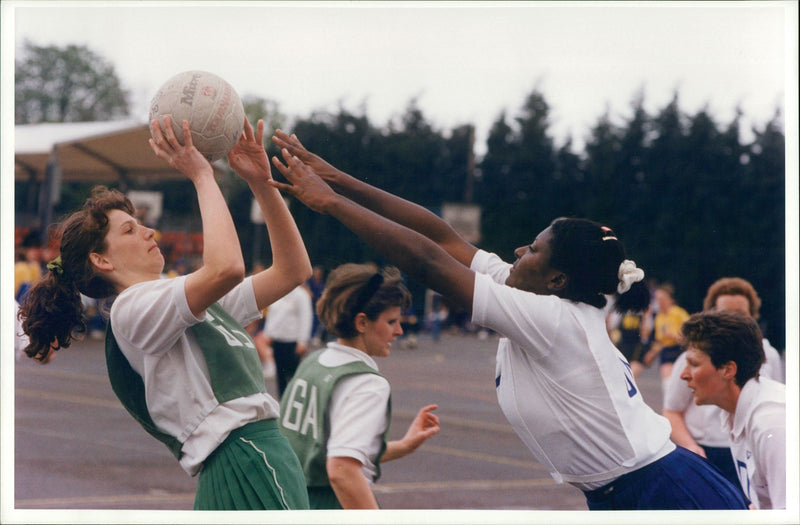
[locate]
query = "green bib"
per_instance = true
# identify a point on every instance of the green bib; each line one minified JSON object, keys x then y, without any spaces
{"x":233,"y":366}
{"x":305,"y":419}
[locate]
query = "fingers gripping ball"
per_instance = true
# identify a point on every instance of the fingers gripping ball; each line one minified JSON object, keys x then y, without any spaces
{"x":210,"y":104}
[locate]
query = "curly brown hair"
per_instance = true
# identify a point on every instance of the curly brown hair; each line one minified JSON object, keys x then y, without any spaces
{"x":339,"y":303}
{"x":52,"y":313}
{"x":733,"y":286}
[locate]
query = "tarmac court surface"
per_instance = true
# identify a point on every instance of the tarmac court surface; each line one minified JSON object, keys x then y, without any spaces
{"x":75,"y":447}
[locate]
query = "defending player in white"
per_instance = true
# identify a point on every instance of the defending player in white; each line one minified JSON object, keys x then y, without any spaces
{"x":564,"y":387}
{"x":723,"y":357}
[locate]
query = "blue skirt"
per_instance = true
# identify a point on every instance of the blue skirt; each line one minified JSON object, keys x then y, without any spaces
{"x":680,"y":480}
{"x":722,"y":459}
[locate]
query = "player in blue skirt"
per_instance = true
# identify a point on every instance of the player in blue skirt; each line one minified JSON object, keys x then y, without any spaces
{"x":567,"y":391}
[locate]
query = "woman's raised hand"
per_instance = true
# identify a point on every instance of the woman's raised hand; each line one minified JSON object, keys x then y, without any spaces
{"x":305,"y":184}
{"x":248,"y":158}
{"x":293,"y":145}
{"x":184,"y":158}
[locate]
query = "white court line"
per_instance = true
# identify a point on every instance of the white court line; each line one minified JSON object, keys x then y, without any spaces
{"x":385,"y":488}
{"x":101,"y":501}
{"x":69,"y":398}
{"x":478,"y":484}
{"x":114,"y":403}
{"x":461,"y":422}
{"x":56,"y":372}
{"x":114,"y":444}
{"x":478,"y":456}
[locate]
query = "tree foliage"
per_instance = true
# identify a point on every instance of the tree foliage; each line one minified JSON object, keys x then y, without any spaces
{"x":69,"y":84}
{"x":691,"y":201}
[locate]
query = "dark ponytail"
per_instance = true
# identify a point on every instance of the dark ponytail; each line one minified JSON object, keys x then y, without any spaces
{"x":590,"y":254}
{"x":52,"y":313}
{"x":637,"y":299}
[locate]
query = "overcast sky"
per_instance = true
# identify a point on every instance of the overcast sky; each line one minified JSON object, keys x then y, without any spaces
{"x":463,"y":63}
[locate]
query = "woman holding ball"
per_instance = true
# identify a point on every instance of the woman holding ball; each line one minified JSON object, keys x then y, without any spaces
{"x":178,"y":356}
{"x":566,"y":390}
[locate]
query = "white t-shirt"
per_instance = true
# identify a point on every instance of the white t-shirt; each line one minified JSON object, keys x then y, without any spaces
{"x":773,"y":365}
{"x":758,"y":435}
{"x":289,"y":319}
{"x":150,"y":322}
{"x":357,"y":409}
{"x":564,"y":387}
{"x":704,"y":422}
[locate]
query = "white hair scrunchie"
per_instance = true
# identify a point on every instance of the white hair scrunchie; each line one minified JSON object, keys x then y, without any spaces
{"x":628,"y":274}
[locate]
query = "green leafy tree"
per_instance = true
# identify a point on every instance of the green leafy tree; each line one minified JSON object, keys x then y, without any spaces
{"x":602,"y":171}
{"x":569,"y":180}
{"x":418,"y":165}
{"x":762,"y":230}
{"x":69,"y":84}
{"x":518,"y":188}
{"x":634,"y":142}
{"x":496,"y":187}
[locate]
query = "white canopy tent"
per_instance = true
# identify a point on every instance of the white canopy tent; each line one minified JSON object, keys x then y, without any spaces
{"x":112,"y":152}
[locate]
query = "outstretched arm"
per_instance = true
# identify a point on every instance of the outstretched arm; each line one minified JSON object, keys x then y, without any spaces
{"x":290,"y":263}
{"x":416,"y":255}
{"x":424,"y":426}
{"x":381,"y":202}
{"x":223,"y":264}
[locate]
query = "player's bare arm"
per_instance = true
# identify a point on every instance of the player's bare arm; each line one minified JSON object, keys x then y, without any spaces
{"x":392,"y":207}
{"x":290,"y":263}
{"x":223,"y":263}
{"x":416,"y":255}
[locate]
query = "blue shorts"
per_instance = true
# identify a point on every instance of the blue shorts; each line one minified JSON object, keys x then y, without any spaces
{"x":721,"y":458}
{"x":670,"y":353}
{"x":681,"y":480}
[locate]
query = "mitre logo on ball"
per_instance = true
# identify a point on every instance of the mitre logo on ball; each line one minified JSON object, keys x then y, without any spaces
{"x":210,"y":104}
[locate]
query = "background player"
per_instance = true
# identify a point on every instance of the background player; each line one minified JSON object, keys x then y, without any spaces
{"x":337,"y":409}
{"x":699,"y":428}
{"x":724,"y":353}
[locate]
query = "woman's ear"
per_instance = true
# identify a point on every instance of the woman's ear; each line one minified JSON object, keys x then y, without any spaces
{"x":100,"y":262}
{"x":729,"y":370}
{"x":558,"y":282}
{"x":360,"y":322}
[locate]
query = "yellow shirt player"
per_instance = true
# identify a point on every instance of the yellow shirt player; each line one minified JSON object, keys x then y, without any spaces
{"x":26,"y":272}
{"x":667,"y":324}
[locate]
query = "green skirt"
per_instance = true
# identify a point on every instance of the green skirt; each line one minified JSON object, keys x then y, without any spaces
{"x":323,"y":498}
{"x":255,"y":468}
